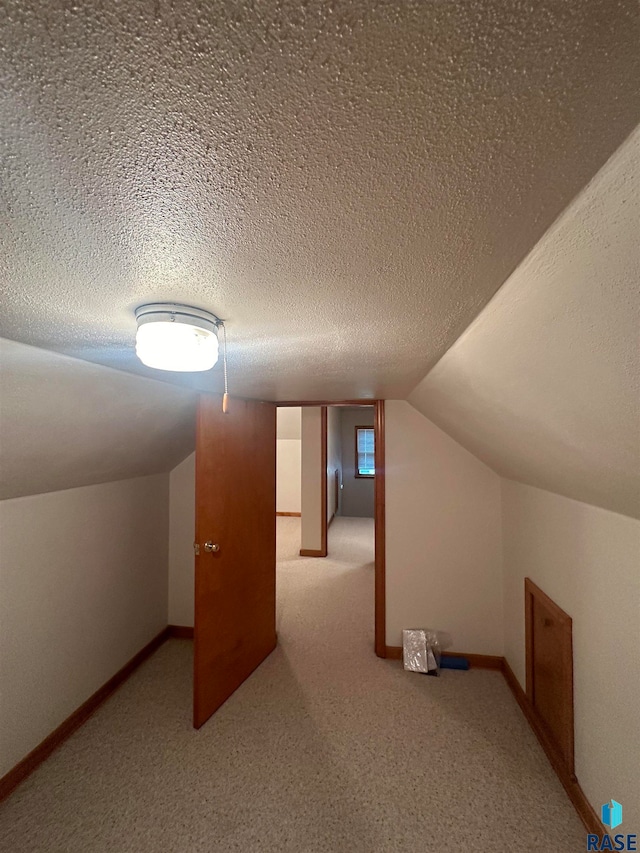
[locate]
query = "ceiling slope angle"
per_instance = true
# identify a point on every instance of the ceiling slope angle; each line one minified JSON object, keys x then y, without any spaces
{"x":67,"y":423}
{"x":544,"y":386}
{"x":347,"y":185}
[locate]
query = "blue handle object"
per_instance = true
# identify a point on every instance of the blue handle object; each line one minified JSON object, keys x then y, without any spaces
{"x":447,"y":662}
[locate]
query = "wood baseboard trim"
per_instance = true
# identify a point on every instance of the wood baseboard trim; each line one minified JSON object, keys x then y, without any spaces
{"x":180,"y":632}
{"x":583,"y":807}
{"x":289,"y":514}
{"x":475,"y":661}
{"x":569,"y":782}
{"x":30,"y":762}
{"x":309,"y":552}
{"x":331,"y":521}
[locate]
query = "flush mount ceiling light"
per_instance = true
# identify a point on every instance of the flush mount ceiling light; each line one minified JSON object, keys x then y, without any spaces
{"x":176,"y":337}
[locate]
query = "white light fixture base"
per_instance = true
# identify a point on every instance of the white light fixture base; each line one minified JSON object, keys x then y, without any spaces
{"x":176,"y":337}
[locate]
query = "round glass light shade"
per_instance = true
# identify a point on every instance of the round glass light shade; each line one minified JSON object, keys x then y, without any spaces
{"x":172,"y":338}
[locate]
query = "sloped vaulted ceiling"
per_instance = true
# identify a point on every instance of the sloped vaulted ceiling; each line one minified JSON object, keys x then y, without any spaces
{"x":544,"y":386}
{"x":346,"y":183}
{"x":67,"y":423}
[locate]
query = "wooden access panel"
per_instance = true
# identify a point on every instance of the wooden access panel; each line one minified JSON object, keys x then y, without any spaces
{"x":235,"y":563}
{"x":549,"y":659}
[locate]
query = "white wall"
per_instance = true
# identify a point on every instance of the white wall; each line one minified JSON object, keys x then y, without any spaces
{"x":443,"y":538}
{"x":182,"y":525}
{"x":544,"y":386}
{"x":334,"y":459}
{"x":312,"y":474}
{"x":66,"y":423}
{"x":588,"y":561}
{"x":289,"y":460}
{"x":289,"y":475}
{"x":358,"y":492}
{"x":83,"y":587}
{"x":289,"y":422}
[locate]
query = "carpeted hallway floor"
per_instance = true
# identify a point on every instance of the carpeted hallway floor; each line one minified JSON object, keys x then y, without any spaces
{"x":325,"y":748}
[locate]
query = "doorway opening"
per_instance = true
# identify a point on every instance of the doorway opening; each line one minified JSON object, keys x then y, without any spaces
{"x":330,"y":499}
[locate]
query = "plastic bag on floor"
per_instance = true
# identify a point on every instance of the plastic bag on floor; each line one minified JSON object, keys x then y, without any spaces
{"x":421,"y":650}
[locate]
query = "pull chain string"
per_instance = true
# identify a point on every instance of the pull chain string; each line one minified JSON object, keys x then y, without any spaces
{"x":225,"y":396}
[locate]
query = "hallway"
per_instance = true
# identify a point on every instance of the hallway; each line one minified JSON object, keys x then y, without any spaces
{"x":325,"y":748}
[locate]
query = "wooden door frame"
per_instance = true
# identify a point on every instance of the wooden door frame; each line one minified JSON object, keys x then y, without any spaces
{"x":380,"y":613}
{"x":324,"y":514}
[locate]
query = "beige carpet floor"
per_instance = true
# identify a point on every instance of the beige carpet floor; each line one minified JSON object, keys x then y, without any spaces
{"x":325,"y":748}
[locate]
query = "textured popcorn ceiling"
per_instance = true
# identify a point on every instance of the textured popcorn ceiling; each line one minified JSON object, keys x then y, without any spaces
{"x":346,"y":183}
{"x":544,"y":386}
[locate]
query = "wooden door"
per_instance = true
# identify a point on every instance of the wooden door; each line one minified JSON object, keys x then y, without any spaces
{"x":235,"y":583}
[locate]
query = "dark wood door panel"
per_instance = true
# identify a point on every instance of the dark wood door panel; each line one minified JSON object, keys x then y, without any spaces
{"x":549,"y":657}
{"x":235,"y":585}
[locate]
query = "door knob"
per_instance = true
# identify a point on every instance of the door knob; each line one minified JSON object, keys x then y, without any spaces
{"x":211,"y":547}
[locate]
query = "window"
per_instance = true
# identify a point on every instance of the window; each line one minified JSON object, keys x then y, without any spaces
{"x":365,"y":444}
